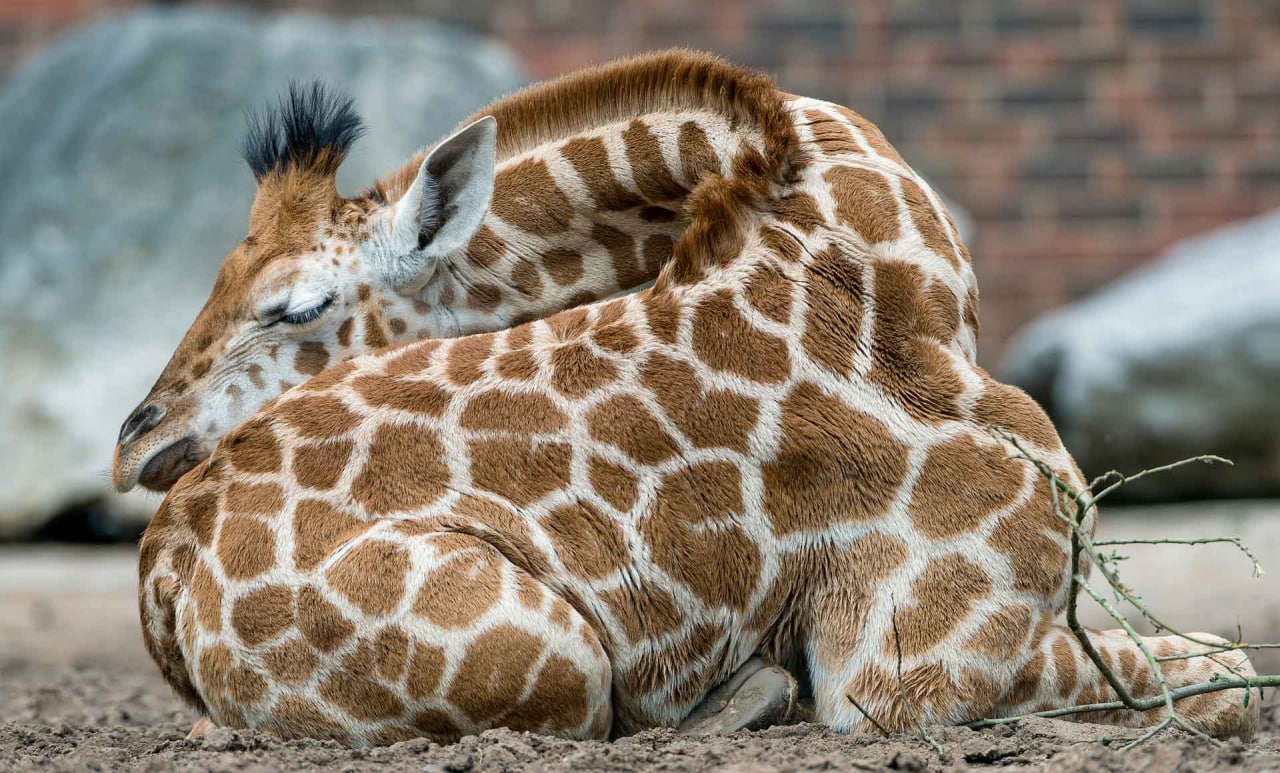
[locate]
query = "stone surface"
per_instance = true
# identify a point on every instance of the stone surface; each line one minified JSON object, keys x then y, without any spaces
{"x":121,"y":190}
{"x":1178,"y":359}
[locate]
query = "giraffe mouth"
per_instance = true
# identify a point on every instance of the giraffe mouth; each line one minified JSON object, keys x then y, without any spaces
{"x":157,"y":470}
{"x":171,"y":463}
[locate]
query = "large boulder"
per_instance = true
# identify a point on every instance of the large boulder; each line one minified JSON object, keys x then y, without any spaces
{"x":121,"y":191}
{"x":1180,"y":358}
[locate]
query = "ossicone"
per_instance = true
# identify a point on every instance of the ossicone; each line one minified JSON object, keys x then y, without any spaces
{"x":311,"y":128}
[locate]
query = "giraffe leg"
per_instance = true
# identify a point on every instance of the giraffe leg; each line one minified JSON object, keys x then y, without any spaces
{"x":434,"y":634}
{"x":754,"y":697}
{"x":1059,"y":673}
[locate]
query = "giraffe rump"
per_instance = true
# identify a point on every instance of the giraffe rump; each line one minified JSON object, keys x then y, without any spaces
{"x":311,"y":128}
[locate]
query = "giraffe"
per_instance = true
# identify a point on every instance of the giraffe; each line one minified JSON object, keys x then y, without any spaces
{"x":525,"y":210}
{"x":582,"y":524}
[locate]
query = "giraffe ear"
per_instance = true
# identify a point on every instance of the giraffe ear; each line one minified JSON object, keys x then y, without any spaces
{"x":446,"y":203}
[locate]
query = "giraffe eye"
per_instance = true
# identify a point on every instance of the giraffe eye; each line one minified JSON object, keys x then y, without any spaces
{"x":307,"y":315}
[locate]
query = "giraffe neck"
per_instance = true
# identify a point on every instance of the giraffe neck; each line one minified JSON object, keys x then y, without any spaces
{"x":585,"y":217}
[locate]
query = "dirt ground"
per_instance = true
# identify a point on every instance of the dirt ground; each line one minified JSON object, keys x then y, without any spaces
{"x":78,"y":693}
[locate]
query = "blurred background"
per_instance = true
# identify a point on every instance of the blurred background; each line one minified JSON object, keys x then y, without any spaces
{"x":1115,"y":162}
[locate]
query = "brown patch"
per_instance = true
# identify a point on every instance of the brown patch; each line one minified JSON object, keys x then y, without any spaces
{"x":865,"y":202}
{"x":526,"y":279}
{"x":590,"y":160}
{"x":246,"y":548}
{"x":331,"y":377}
{"x":413,"y":359}
{"x":201,"y":511}
{"x":694,"y":536}
{"x":374,"y":338}
{"x":491,"y":677}
{"x":517,"y":366}
{"x":872,"y":135}
{"x":1039,"y":562}
{"x":800,"y":210}
{"x":663,"y":314}
{"x":590,"y":544}
{"x":526,"y":195}
{"x":321,"y":622}
{"x":318,"y":529}
{"x":697,"y":157}
{"x":344,"y":331}
{"x":254,"y":499}
{"x":485,"y":248}
{"x":558,"y":699}
{"x":708,"y":418}
{"x":404,"y":470}
{"x":568,"y":325}
{"x":317,"y":417}
{"x":769,"y":292}
{"x":371,"y":576}
{"x":519,"y":412}
{"x":908,"y":361}
{"x":835,"y":464}
{"x":725,"y":340}
{"x":644,"y":609}
{"x":619,"y":338}
{"x":943,"y":594}
{"x":292,"y":662}
{"x":849,"y":580}
{"x":1010,"y":409}
{"x":415,"y":396}
{"x":625,"y":422}
{"x":245,"y":687}
{"x":926,"y":220}
{"x":467,"y":357}
{"x":320,"y":465}
{"x":962,"y":484}
{"x":295,"y":717}
{"x":834,"y":307}
{"x":563,"y":265}
{"x":464,"y":586}
{"x":616,"y":485}
{"x":252,"y":447}
{"x":622,"y":252}
{"x":484,"y":297}
{"x":1064,"y":665}
{"x":426,"y":667}
{"x":312,"y":357}
{"x":658,"y":249}
{"x":263,"y":614}
{"x":782,"y":244}
{"x":576,"y":371}
{"x":361,"y":698}
{"x":207,"y":595}
{"x":648,"y":167}
{"x":1003,"y":633}
{"x":391,"y":652}
{"x":520,"y":469}
{"x":832,"y":137}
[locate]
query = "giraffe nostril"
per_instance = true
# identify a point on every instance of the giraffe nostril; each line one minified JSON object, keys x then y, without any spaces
{"x":143,"y":419}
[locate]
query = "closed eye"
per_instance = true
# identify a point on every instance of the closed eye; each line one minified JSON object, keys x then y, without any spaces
{"x":307,"y":315}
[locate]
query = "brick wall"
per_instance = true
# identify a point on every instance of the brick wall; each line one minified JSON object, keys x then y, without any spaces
{"x":1082,"y":135}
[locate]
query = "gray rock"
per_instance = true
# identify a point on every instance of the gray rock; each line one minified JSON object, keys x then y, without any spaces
{"x":121,"y":191}
{"x":1178,"y":359}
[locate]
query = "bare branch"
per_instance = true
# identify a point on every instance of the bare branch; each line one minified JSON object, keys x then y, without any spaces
{"x":1257,"y":567}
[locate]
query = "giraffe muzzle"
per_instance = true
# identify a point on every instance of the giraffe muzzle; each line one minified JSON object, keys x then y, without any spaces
{"x":165,"y":468}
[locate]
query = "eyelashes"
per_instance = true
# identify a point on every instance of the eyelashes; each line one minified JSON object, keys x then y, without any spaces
{"x":307,"y":315}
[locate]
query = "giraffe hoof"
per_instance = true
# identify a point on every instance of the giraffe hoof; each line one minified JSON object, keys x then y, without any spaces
{"x":756,"y":697}
{"x":202,"y":726}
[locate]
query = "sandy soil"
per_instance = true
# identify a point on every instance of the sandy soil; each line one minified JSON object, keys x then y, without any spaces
{"x":77,"y":691}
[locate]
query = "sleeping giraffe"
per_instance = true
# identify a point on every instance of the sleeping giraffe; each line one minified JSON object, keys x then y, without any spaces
{"x":582,"y":524}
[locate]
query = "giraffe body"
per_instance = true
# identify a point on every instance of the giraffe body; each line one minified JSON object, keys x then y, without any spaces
{"x":581,"y":525}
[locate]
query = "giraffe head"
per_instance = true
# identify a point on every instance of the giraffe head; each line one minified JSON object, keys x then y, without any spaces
{"x":318,"y":279}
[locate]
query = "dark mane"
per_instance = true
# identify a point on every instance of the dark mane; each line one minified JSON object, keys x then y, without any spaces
{"x":311,"y":128}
